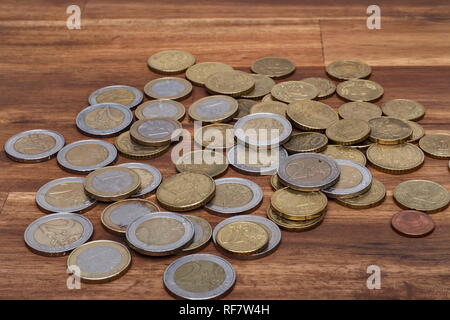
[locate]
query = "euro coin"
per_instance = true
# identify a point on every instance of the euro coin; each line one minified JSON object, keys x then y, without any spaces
{"x":155,"y":132}
{"x":202,"y":234}
{"x":268,"y":97}
{"x":263,"y":85}
{"x":217,"y":136}
{"x":161,"y":108}
{"x":311,"y":115}
{"x":359,"y":90}
{"x":325,"y":86}
{"x":417,"y":131}
{"x":270,"y":107}
{"x":412,"y":223}
{"x":436,"y":145}
{"x":130,"y":149}
{"x":168,"y":88}
{"x":232,"y":83}
{"x":275,"y":183}
{"x":150,"y":177}
{"x":292,"y":225}
{"x":127,"y":96}
{"x":359,"y":110}
{"x":345,"y":153}
{"x":198,"y":73}
{"x":291,"y":91}
{"x":388,"y":130}
{"x":348,"y":131}
{"x":244,"y":107}
{"x":273,"y":67}
{"x":363,"y":145}
{"x":403,"y":109}
{"x":205,"y":161}
{"x":217,"y":108}
{"x":306,"y":142}
{"x":348,"y":69}
{"x":395,"y":159}
{"x":242,"y":238}
{"x":298,"y":205}
{"x":371,"y":198}
{"x":170,"y":61}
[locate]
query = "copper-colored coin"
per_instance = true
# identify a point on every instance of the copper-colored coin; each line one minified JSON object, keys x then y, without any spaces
{"x":233,"y":83}
{"x":263,"y":85}
{"x":359,"y":110}
{"x":388,"y":130}
{"x":436,"y":145}
{"x":326,"y":87}
{"x":306,"y":142}
{"x":155,"y":132}
{"x":348,"y":131}
{"x":348,"y":69}
{"x":359,"y":90}
{"x":291,"y":91}
{"x":168,"y":88}
{"x":198,"y":73}
{"x":311,"y":115}
{"x":270,"y":107}
{"x":291,"y":225}
{"x":273,"y":67}
{"x":171,"y":61}
{"x":215,"y":136}
{"x":130,"y":149}
{"x":412,"y":223}
{"x":244,"y":107}
{"x":403,"y":109}
{"x":345,"y":153}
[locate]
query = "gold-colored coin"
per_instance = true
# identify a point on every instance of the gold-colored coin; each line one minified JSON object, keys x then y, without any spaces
{"x":311,"y":115}
{"x":348,"y":131}
{"x":170,"y":61}
{"x":217,"y":108}
{"x":417,"y":131}
{"x":206,"y":161}
{"x":388,"y":130}
{"x":306,"y":142}
{"x":270,"y":107}
{"x":233,"y":83}
{"x":348,"y":69}
{"x":363,"y":145}
{"x":359,"y":110}
{"x":242,"y":237}
{"x":244,"y":107}
{"x":359,"y":90}
{"x":369,"y":199}
{"x":404,"y":109}
{"x":291,"y":225}
{"x":172,"y":88}
{"x":326,"y":87}
{"x":298,"y":205}
{"x":275,"y":182}
{"x":155,"y":132}
{"x":422,"y":195}
{"x":273,"y":67}
{"x":395,"y":159}
{"x":345,"y":153}
{"x":436,"y":145}
{"x":268,"y":97}
{"x":130,"y":149}
{"x":215,"y":136}
{"x":161,"y":108}
{"x":263,"y":85}
{"x":186,"y":191}
{"x":291,"y":91}
{"x":198,"y":73}
{"x":202,"y":234}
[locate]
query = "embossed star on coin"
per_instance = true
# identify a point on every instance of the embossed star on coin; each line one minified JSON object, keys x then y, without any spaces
{"x":171,"y":61}
{"x":168,"y":88}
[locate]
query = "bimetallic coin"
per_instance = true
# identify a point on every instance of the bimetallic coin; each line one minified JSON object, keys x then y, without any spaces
{"x":422,"y":195}
{"x":118,"y":216}
{"x":186,"y":191}
{"x":348,"y":69}
{"x":155,"y":132}
{"x":160,"y":233}
{"x":242,"y":238}
{"x":168,"y":88}
{"x":354,"y":180}
{"x":345,"y":153}
{"x":64,"y":195}
{"x":412,"y":223}
{"x":311,"y":115}
{"x":436,"y":145}
{"x":85,"y":156}
{"x":326,"y":87}
{"x":161,"y":108}
{"x":233,"y":83}
{"x":308,"y":172}
{"x":112,"y":183}
{"x":270,"y":107}
{"x":306,"y":142}
{"x":34,"y":145}
{"x":217,"y":136}
{"x":273,"y":67}
{"x":395,"y":159}
{"x":348,"y":131}
{"x":100,"y":261}
{"x":199,"y":277}
{"x":387,"y":130}
{"x":291,"y":91}
{"x":359,"y":110}
{"x":170,"y":61}
{"x":359,"y":90}
{"x":417,"y":131}
{"x":127,"y":96}
{"x":403,"y":109}
{"x":150,"y":177}
{"x":216,"y":108}
{"x":104,"y":119}
{"x":275,"y":182}
{"x":235,"y":195}
{"x":205,"y":161}
{"x":130,"y":149}
{"x":371,"y":198}
{"x":298,"y":205}
{"x":202,"y":234}
{"x":244,"y":107}
{"x":263,"y":85}
{"x":291,"y":225}
{"x":198,"y":73}
{"x":57,"y":234}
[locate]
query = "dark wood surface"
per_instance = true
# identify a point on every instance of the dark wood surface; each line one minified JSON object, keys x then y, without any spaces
{"x":49,"y":71}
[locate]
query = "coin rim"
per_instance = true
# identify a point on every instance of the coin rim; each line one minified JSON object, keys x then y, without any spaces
{"x":157,"y":177}
{"x":187,"y":89}
{"x":138,"y":95}
{"x":155,"y":142}
{"x":391,"y":169}
{"x":181,"y":110}
{"x":225,"y":117}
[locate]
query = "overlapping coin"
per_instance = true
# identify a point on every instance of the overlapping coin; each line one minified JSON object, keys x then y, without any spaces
{"x":160,"y":108}
{"x":168,"y":88}
{"x":150,"y":177}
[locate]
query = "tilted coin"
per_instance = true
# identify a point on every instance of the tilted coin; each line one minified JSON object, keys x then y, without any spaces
{"x":348,"y":69}
{"x":161,"y":108}
{"x":292,"y":225}
{"x":423,"y":195}
{"x":150,"y":177}
{"x":348,"y":131}
{"x":354,"y":180}
{"x":258,"y":162}
{"x":273,"y":67}
{"x":363,"y":145}
{"x":85,"y":156}
{"x":216,"y":108}
{"x":160,"y":233}
{"x":276,"y":107}
{"x":100,"y":261}
{"x":275,"y":182}
{"x":308,"y":171}
{"x":168,"y":88}
{"x":34,"y":145}
{"x":235,"y":195}
{"x":298,"y":205}
{"x":388,"y":130}
{"x":118,"y":216}
{"x":170,"y":61}
{"x":345,"y":153}
{"x":359,"y":110}
{"x":112,"y":183}
{"x":233,"y":83}
{"x":359,"y":90}
{"x":155,"y":132}
{"x":130,"y":149}
{"x":291,"y":91}
{"x":202,"y":234}
{"x":268,"y":97}
{"x":205,"y":161}
{"x":306,"y":142}
{"x":104,"y":119}
{"x":186,"y":191}
{"x":217,"y":136}
{"x":57,"y":234}
{"x":371,"y":198}
{"x":199,"y":277}
{"x":417,"y":131}
{"x":311,"y":115}
{"x":403,"y":109}
{"x":242,"y":238}
{"x":263,"y":85}
{"x":326,"y":87}
{"x":436,"y":145}
{"x":395,"y":159}
{"x":127,"y":96}
{"x":64,"y":195}
{"x":412,"y":223}
{"x":198,"y":73}
{"x":244,"y":107}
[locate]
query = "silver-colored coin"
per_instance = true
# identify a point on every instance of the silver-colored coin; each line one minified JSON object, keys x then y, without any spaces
{"x":161,"y":108}
{"x":344,"y":189}
{"x":104,"y":119}
{"x":160,"y":234}
{"x":214,"y":109}
{"x":150,"y":177}
{"x":266,"y":130}
{"x":57,"y":234}
{"x":85,"y":156}
{"x":168,"y":88}
{"x":64,"y":195}
{"x":128,"y":96}
{"x":272,"y":229}
{"x":34,"y":145}
{"x":248,"y":195}
{"x":259,"y":162}
{"x":199,"y":277}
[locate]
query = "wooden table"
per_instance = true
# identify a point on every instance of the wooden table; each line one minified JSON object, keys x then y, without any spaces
{"x":48,"y":72}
